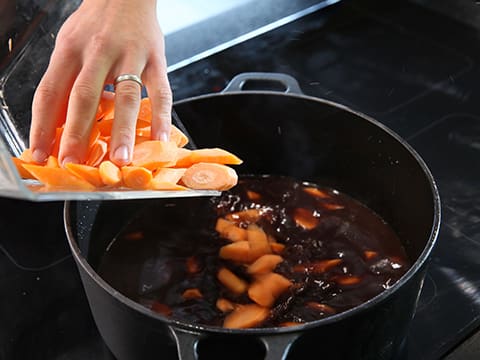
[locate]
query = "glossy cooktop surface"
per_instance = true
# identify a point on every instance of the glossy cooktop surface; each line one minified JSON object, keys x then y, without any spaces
{"x":413,"y":69}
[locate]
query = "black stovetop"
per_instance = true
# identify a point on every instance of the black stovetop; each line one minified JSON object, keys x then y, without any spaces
{"x":412,"y":69}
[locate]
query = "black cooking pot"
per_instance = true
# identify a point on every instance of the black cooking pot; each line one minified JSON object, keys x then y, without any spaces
{"x":281,"y":133}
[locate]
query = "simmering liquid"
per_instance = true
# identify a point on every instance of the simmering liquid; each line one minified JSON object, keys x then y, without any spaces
{"x":336,"y":252}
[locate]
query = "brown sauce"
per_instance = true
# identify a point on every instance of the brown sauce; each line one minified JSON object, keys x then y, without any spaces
{"x":158,"y":256}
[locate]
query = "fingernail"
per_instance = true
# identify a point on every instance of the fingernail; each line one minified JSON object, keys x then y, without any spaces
{"x":69,"y":159}
{"x":163,"y":136}
{"x":122,"y":154}
{"x":39,"y":156}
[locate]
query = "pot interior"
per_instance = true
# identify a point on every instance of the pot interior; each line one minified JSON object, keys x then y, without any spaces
{"x":296,"y":136}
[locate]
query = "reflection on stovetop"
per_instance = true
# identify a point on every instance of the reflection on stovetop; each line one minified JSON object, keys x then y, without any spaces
{"x":410,"y":68}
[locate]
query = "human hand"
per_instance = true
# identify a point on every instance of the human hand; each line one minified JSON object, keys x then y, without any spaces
{"x":101,"y":40}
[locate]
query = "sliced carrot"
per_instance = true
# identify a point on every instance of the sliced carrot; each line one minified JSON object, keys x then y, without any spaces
{"x":235,"y":233}
{"x":222,"y":224}
{"x":331,"y":206}
{"x":238,"y":251}
{"x":305,"y":218}
{"x":249,"y":215}
{"x":105,"y":126}
{"x":134,"y":235}
{"x":319,"y":266}
{"x":26,"y":156}
{"x":252,"y":195}
{"x":161,"y":308}
{"x":145,"y":112}
{"x":258,"y":241}
{"x":154,"y":154}
{"x":24,"y":173}
{"x":110,"y":173}
{"x":246,"y":316}
{"x":290,"y":323}
{"x":178,"y":137}
{"x":89,"y":173}
{"x":98,"y":151}
{"x":208,"y":155}
{"x":315,"y":192}
{"x":267,"y":288}
{"x":231,"y":281}
{"x":210,"y":176}
{"x":183,"y":158}
{"x":370,"y":254}
{"x":155,"y":184}
{"x":58,"y":178}
{"x":224,"y":305}
{"x":264,"y":264}
{"x":323,"y":308}
{"x":52,"y":161}
{"x":136,"y":177}
{"x":193,"y":293}
{"x":169,"y":175}
{"x":277,"y":248}
{"x":347,"y":280}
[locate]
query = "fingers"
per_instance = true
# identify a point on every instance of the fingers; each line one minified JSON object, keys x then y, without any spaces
{"x":82,"y":107}
{"x":159,"y":92}
{"x":49,"y":105}
{"x":127,"y":105}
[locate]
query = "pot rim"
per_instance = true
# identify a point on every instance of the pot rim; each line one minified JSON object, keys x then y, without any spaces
{"x":416,"y":266}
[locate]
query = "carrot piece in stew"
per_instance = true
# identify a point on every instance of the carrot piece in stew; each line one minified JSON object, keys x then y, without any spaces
{"x":246,"y":316}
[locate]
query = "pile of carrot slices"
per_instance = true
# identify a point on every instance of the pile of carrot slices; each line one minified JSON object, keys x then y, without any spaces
{"x":156,"y":165}
{"x":260,"y":253}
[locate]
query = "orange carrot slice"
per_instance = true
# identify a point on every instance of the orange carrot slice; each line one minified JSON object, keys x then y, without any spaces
{"x":169,"y":175}
{"x":96,"y":154}
{"x":323,"y":308}
{"x":24,"y":174}
{"x":178,"y":137}
{"x":305,"y":218}
{"x":207,"y":155}
{"x":110,"y":173}
{"x":52,"y":161}
{"x":161,"y":308}
{"x":315,"y":192}
{"x":264,"y":264}
{"x":249,"y":215}
{"x":145,"y":112}
{"x":156,"y":184}
{"x":192,"y":265}
{"x":193,"y":293}
{"x":319,"y":266}
{"x":221,"y":225}
{"x":89,"y":173}
{"x":276,"y":247}
{"x":238,"y":251}
{"x":235,"y":233}
{"x":258,"y":241}
{"x":224,"y":305}
{"x":267,"y":287}
{"x":58,"y":178}
{"x":246,"y":316}
{"x":154,"y":154}
{"x":210,"y":176}
{"x":231,"y":281}
{"x":136,"y":177}
{"x":26,"y":156}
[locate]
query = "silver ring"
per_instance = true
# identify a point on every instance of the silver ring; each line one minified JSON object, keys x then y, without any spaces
{"x":125,"y":77}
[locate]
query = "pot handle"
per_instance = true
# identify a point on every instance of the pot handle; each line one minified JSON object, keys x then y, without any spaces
{"x":277,"y":346}
{"x":289,"y":82}
{"x":187,"y":342}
